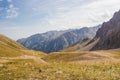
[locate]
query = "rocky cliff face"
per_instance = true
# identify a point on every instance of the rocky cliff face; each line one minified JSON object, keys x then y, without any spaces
{"x":57,"y":40}
{"x":109,"y":34}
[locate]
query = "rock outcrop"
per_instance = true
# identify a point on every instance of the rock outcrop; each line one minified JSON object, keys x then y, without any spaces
{"x":109,"y":34}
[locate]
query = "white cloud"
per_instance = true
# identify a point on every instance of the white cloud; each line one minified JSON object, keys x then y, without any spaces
{"x":12,"y":11}
{"x":45,"y":15}
{"x":89,"y":13}
{"x":9,"y":0}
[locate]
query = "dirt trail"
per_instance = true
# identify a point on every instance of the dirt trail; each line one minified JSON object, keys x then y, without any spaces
{"x":97,"y":56}
{"x":102,"y":54}
{"x":89,"y":56}
{"x":107,"y":55}
{"x":36,"y":59}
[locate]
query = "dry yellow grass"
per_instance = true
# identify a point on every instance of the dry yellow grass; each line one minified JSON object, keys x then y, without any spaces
{"x":28,"y":69}
{"x":62,"y":56}
{"x":18,"y":63}
{"x":9,"y":48}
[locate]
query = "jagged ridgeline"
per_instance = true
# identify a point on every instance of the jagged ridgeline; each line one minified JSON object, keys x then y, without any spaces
{"x":107,"y":37}
{"x":109,"y":34}
{"x":57,"y":40}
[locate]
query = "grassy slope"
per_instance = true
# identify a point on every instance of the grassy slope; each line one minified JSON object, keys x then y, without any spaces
{"x":79,"y":46}
{"x":58,"y":66}
{"x":82,"y":56}
{"x":9,"y":48}
{"x":29,"y":70}
{"x":115,"y":53}
{"x":85,"y":45}
{"x":61,"y":56}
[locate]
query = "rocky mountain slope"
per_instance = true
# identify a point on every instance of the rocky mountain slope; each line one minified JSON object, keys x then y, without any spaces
{"x":57,"y":40}
{"x":107,"y":37}
{"x":109,"y":34}
{"x":79,"y":46}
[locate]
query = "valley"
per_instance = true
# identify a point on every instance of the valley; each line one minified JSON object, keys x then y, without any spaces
{"x":59,"y":40}
{"x":71,"y":65}
{"x":98,"y":65}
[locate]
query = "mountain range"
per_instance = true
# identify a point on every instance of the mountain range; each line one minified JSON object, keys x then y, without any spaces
{"x":53,"y":41}
{"x":109,"y":34}
{"x":107,"y":37}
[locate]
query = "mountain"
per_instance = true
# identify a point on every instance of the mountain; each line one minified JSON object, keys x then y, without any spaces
{"x":10,"y":48}
{"x":107,"y":37}
{"x":57,"y":40}
{"x":109,"y":34}
{"x":79,"y":46}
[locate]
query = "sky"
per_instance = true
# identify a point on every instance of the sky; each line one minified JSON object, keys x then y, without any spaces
{"x":22,"y":18}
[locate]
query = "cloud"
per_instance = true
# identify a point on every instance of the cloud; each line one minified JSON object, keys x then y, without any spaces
{"x":71,"y":12}
{"x":12,"y":11}
{"x":9,"y":0}
{"x":45,"y":15}
{"x":81,"y":12}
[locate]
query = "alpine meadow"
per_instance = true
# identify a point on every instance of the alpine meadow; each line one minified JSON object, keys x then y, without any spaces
{"x":59,"y":40}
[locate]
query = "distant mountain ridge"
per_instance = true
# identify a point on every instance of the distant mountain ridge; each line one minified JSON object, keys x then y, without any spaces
{"x":53,"y":41}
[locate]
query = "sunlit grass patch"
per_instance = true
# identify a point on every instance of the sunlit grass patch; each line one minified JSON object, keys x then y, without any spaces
{"x":116,"y":54}
{"x":28,"y":69}
{"x":62,"y":56}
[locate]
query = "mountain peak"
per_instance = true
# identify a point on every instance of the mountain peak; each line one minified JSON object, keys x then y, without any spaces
{"x":109,"y":33}
{"x":53,"y":41}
